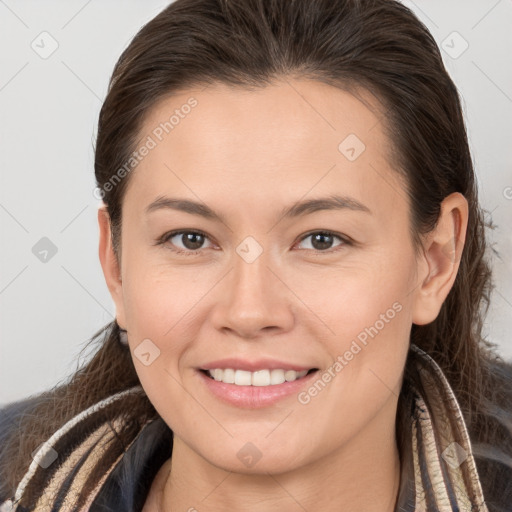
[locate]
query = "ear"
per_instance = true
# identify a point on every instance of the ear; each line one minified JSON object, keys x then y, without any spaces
{"x":110,"y":265}
{"x":441,"y":258}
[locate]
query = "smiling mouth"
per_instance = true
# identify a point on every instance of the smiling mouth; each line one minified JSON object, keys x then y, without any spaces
{"x":259,"y":378}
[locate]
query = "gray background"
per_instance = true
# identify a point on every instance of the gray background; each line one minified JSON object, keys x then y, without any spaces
{"x":49,"y":108}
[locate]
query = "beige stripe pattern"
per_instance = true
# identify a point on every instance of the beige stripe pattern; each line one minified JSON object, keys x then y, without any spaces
{"x":445,"y":475}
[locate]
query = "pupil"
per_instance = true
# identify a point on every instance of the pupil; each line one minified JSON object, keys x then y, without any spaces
{"x":194,"y":241}
{"x":189,"y":237}
{"x":323,"y":244}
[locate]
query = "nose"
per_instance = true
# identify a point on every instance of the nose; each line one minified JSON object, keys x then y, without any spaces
{"x":254,"y":300}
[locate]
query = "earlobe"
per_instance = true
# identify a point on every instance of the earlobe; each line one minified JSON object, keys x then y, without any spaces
{"x":109,"y":263}
{"x":442,"y":254}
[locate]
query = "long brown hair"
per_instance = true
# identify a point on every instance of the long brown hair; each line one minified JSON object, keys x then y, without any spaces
{"x":378,"y":45}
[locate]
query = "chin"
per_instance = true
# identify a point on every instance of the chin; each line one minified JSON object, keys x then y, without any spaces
{"x":250,"y":460}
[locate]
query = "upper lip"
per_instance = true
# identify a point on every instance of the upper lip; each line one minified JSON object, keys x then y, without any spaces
{"x":253,"y":366}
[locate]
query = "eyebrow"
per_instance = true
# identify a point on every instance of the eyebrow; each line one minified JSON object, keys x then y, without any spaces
{"x":298,"y":209}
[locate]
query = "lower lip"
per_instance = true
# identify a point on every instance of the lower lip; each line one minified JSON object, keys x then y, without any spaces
{"x":255,"y":397}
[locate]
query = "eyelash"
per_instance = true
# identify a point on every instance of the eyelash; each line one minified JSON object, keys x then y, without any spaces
{"x":164,"y":238}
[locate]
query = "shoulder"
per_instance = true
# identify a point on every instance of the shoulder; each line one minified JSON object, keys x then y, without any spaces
{"x":90,"y":443}
{"x":12,"y":413}
{"x":503,"y":369}
{"x":12,"y":416}
{"x":13,"y":410}
{"x":492,"y":444}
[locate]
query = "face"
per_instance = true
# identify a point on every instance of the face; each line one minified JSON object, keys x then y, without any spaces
{"x":331,"y":287}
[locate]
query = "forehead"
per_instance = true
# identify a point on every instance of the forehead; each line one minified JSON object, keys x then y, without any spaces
{"x":297,"y":109}
{"x":290,"y":137}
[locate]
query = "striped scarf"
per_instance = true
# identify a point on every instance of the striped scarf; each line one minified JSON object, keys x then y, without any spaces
{"x":438,"y":471}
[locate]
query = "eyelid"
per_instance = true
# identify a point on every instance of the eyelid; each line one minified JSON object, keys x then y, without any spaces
{"x":170,"y":234}
{"x":344,"y":238}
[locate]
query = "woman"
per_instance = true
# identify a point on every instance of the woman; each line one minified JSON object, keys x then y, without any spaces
{"x":291,"y":234}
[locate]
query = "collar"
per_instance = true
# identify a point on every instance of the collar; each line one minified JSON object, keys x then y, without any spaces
{"x":438,"y":470}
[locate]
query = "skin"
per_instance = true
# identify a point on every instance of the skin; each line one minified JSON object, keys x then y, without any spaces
{"x":247,"y":155}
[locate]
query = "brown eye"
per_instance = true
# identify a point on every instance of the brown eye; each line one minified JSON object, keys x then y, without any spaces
{"x":323,"y":240}
{"x":191,"y":241}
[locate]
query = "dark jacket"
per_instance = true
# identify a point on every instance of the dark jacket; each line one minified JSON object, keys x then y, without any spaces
{"x":438,"y":468}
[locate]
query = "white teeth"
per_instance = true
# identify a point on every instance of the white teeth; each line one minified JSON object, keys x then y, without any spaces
{"x":261,"y":378}
{"x":242,"y":378}
{"x":290,"y":375}
{"x":228,"y":376}
{"x":258,"y":378}
{"x":277,"y":377}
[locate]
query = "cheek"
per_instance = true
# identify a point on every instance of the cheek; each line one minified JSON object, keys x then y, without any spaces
{"x":353,"y":297}
{"x":367,"y":350}
{"x":366,"y":318}
{"x":158,"y":297}
{"x":159,"y":321}
{"x":163,"y":306}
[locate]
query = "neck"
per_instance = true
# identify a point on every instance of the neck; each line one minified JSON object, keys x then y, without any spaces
{"x":364,"y":475}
